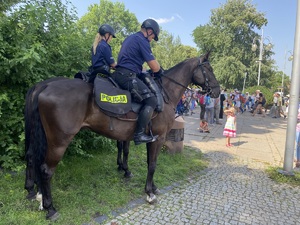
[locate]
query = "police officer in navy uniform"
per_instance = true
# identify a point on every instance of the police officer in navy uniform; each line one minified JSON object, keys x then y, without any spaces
{"x":134,"y":52}
{"x":102,"y":59}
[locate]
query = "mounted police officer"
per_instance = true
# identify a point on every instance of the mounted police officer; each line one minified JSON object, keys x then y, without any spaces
{"x":134,"y":52}
{"x":102,"y":59}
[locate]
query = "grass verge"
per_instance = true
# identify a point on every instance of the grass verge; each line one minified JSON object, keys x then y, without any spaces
{"x":280,"y":178}
{"x":85,"y":188}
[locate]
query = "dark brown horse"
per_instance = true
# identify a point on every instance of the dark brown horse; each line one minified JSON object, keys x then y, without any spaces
{"x":61,"y":108}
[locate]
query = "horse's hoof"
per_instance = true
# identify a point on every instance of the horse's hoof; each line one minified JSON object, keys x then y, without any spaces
{"x":52,"y":216}
{"x":128,"y":175}
{"x":157,"y":191}
{"x":41,"y":208}
{"x":151,"y":198}
{"x":31,"y":196}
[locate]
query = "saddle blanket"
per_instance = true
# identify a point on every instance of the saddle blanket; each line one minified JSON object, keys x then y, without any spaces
{"x":110,"y":98}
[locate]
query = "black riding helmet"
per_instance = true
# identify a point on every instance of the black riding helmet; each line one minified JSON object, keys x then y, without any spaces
{"x":152,"y":24}
{"x":105,"y":28}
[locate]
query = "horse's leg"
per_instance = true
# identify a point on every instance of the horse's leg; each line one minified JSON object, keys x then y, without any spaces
{"x":53,"y":156}
{"x":119,"y":158}
{"x":123,"y":147}
{"x":47,"y":169}
{"x":46,"y":175}
{"x":153,"y":150}
{"x":125,"y":159}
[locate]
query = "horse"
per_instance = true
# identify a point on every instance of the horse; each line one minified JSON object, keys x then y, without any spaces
{"x":61,"y":108}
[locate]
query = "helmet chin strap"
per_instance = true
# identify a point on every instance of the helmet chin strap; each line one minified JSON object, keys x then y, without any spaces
{"x":148,"y":35}
{"x":106,"y":38}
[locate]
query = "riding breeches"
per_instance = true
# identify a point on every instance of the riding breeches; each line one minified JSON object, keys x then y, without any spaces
{"x":138,"y":89}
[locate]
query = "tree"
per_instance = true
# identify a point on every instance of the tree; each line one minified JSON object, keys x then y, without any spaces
{"x":107,"y":12}
{"x":38,"y":39}
{"x":168,"y":46}
{"x":230,"y":33}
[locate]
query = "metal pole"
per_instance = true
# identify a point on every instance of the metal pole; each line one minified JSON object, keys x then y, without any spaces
{"x":260,"y":54}
{"x":293,"y":102}
{"x":283,"y":70}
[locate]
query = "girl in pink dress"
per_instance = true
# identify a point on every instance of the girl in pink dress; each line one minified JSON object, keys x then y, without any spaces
{"x":230,"y":126}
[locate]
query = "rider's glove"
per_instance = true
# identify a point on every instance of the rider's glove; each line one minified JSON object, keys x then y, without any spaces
{"x":159,"y":73}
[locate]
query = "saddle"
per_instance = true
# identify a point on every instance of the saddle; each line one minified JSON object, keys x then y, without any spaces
{"x":114,"y":101}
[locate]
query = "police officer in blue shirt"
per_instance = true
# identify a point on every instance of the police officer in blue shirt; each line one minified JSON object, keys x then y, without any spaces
{"x":134,"y":52}
{"x":102,"y":59}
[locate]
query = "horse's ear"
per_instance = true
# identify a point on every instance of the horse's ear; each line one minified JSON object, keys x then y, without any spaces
{"x":207,"y":54}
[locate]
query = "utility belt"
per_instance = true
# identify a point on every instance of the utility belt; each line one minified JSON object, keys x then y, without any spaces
{"x":126,"y":72}
{"x":101,"y":69}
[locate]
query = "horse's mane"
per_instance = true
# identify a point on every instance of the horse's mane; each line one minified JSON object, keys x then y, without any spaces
{"x":176,"y":66}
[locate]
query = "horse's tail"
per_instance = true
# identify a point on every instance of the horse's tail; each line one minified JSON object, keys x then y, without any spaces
{"x":28,"y":118}
{"x":38,"y":142}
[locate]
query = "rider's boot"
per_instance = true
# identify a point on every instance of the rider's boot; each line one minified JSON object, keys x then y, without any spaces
{"x":144,"y":117}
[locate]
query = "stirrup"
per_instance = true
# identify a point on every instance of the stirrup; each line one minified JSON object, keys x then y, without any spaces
{"x":143,"y":138}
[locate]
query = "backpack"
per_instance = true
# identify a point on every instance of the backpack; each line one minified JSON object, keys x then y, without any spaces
{"x":242,"y":99}
{"x":202,"y":100}
{"x":263,"y":101}
{"x":207,"y":100}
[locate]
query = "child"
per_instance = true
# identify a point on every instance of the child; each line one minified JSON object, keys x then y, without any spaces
{"x":230,"y":126}
{"x":204,"y":126}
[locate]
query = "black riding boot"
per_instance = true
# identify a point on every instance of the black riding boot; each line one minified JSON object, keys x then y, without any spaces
{"x":143,"y":119}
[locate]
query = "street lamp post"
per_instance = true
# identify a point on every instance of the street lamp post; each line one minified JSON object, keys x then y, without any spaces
{"x":254,"y":47}
{"x":290,"y":58}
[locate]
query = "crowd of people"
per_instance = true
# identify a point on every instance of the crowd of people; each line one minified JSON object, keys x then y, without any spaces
{"x":229,"y":105}
{"x":210,"y":107}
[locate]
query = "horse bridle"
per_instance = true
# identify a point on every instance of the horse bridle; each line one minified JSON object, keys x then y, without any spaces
{"x":207,"y":87}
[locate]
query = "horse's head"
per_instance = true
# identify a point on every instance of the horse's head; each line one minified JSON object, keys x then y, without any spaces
{"x":204,"y":76}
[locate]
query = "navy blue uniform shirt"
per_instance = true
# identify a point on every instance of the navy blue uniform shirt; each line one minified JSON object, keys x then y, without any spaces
{"x":103,"y":54}
{"x":134,"y":52}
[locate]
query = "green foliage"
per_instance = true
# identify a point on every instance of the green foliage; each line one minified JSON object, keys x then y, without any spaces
{"x":86,"y":188}
{"x":7,"y":4}
{"x":11,"y":129}
{"x":173,"y":48}
{"x":35,"y":44}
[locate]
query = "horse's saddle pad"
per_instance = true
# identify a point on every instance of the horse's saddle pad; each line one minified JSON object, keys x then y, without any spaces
{"x":111,"y":98}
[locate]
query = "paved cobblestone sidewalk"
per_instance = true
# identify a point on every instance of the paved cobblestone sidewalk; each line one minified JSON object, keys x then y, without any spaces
{"x":233,"y":190}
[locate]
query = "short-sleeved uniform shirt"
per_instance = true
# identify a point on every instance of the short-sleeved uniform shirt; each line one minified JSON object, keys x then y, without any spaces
{"x":134,"y":52}
{"x":103,"y":55}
